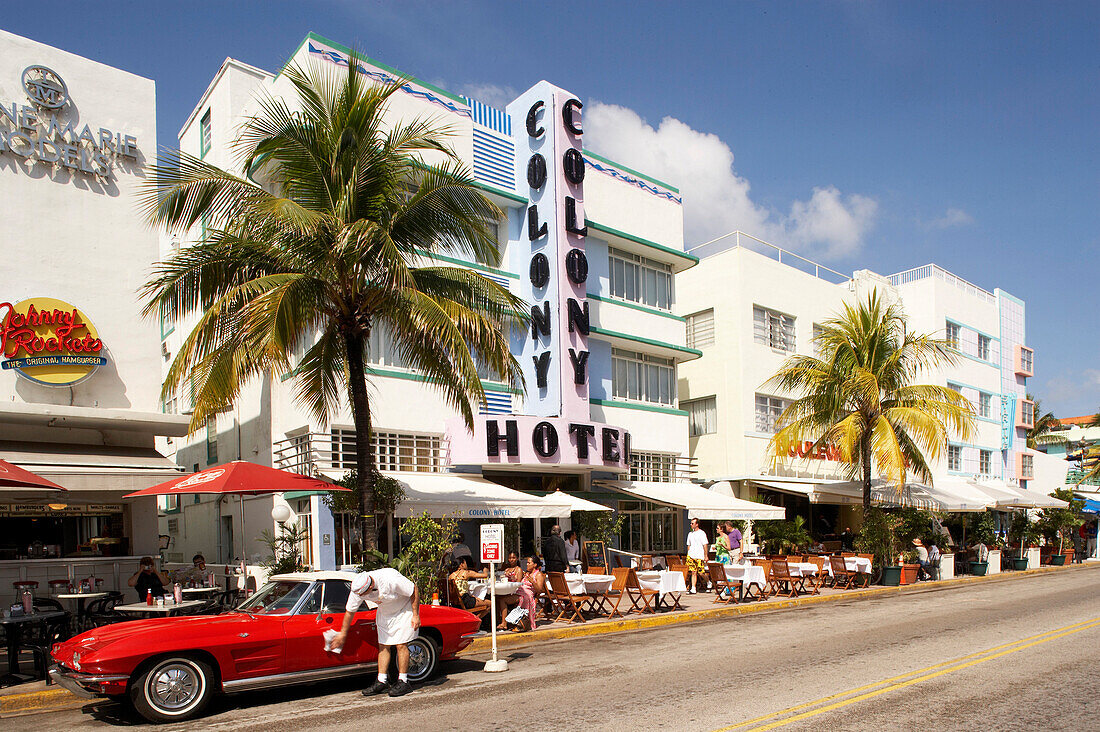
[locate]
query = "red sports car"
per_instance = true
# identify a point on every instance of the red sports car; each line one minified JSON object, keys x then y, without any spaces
{"x":170,"y":667}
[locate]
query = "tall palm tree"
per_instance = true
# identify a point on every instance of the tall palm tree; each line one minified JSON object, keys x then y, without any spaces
{"x":335,"y":240}
{"x":859,"y":396}
{"x":1044,"y":423}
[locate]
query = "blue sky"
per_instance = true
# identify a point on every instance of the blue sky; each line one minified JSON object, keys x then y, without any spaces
{"x":865,"y":135}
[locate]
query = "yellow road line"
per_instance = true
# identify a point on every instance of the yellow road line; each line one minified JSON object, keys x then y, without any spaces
{"x":924,"y":674}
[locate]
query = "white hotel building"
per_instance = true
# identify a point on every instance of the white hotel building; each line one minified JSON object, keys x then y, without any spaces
{"x":625,"y":401}
{"x":751,"y":305}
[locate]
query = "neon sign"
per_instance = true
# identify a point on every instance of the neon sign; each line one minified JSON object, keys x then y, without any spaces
{"x":49,"y":341}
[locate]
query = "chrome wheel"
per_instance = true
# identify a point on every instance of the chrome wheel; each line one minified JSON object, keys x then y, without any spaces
{"x":174,"y":686}
{"x":423,"y":658}
{"x":173,"y":689}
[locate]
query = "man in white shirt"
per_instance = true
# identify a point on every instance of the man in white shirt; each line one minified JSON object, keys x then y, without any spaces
{"x":397,"y":621}
{"x":697,"y":554}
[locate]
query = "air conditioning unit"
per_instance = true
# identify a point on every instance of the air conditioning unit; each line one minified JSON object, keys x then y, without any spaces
{"x":164,"y":349}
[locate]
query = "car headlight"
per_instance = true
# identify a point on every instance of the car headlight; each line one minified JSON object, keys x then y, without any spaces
{"x":76,"y":661}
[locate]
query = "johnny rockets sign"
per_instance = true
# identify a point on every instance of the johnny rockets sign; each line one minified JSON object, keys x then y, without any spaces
{"x":557,"y":427}
{"x":49,"y":341}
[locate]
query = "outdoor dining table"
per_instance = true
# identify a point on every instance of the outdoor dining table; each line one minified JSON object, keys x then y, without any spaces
{"x":13,"y":629}
{"x":580,"y":584}
{"x":141,"y":608}
{"x":853,"y":564}
{"x":802,"y":569}
{"x":80,"y":598}
{"x":748,"y":575}
{"x":199,"y":591}
{"x":480,"y":590}
{"x":666,"y":582}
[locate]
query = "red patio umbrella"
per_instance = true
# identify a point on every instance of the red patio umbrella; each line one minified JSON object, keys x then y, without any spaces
{"x":13,"y":476}
{"x":238,"y":477}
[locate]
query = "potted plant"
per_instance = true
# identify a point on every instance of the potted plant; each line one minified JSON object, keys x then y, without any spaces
{"x":1027,"y":532}
{"x":983,"y":536}
{"x":1059,"y":524}
{"x":878,"y":535}
{"x":910,"y":566}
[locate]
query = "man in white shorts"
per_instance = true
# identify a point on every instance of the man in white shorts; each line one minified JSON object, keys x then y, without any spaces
{"x":397,"y":621}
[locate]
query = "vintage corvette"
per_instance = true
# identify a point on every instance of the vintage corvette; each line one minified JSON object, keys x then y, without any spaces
{"x":170,"y":667}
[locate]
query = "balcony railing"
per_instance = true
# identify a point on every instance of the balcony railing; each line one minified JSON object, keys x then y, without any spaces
{"x":932,"y":270}
{"x":1076,"y":474}
{"x":313,"y":452}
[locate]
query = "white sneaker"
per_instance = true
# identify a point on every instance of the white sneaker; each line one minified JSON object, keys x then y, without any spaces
{"x":691,"y":591}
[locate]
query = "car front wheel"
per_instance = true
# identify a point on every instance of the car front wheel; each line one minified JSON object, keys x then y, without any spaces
{"x":423,"y":658}
{"x":173,"y":689}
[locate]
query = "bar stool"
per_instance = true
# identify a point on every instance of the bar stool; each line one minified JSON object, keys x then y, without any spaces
{"x":21,"y":585}
{"x":58,"y":587}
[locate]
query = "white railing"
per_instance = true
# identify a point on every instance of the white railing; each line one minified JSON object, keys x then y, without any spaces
{"x":741,"y":240}
{"x":934,"y":270}
{"x":312,"y":452}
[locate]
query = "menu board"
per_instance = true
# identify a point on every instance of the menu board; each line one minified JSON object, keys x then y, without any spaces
{"x":595,"y":554}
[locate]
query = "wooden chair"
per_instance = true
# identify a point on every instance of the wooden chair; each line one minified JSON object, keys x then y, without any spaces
{"x":819,"y":576}
{"x":677,"y":563}
{"x":847,"y":555}
{"x":842,"y":578}
{"x":866,"y":578}
{"x":597,"y":570}
{"x":723,"y":586}
{"x":480,"y":610}
{"x":766,"y":565}
{"x":607,"y":603}
{"x":564,"y":600}
{"x":637,"y":593}
{"x":781,"y":577}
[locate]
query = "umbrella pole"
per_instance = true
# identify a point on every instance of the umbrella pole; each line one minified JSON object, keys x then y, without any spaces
{"x":244,"y":550}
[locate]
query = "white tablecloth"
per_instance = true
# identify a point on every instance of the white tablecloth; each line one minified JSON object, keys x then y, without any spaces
{"x":480,"y":590}
{"x":595,"y":583}
{"x":802,"y":569}
{"x":663,"y":581}
{"x":747,"y":574}
{"x":853,"y":564}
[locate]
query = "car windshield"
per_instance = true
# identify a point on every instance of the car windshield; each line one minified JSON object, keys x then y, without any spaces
{"x":275,"y":598}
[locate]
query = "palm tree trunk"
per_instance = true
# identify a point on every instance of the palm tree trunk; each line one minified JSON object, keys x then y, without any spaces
{"x":364,"y":460}
{"x":865,"y":458}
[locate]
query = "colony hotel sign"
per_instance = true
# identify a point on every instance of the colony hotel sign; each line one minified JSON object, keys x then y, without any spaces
{"x":48,"y":341}
{"x":45,"y":130}
{"x":557,"y":428}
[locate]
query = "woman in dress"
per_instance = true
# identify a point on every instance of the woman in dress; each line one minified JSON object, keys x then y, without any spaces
{"x":513,"y":573}
{"x":461,"y":577}
{"x":722,"y":545}
{"x":531,"y":586}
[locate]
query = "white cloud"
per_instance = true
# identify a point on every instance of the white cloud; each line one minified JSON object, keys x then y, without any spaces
{"x":495,"y":96}
{"x":828,"y":225}
{"x":952,"y":218}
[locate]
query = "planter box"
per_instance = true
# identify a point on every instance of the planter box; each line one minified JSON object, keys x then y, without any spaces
{"x":1020,"y":564}
{"x":1058,"y":560}
{"x":1032,"y":555}
{"x":979,"y":568}
{"x":891,"y":576}
{"x":947,"y":567}
{"x":909,"y":574}
{"x":1068,"y":554}
{"x":994,"y":561}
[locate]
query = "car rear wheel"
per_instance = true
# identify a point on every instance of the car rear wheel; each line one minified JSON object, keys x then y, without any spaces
{"x":423,"y":658}
{"x":173,"y":689}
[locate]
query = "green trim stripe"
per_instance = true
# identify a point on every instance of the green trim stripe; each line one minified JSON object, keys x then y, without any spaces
{"x":646,"y":341}
{"x":500,"y":192}
{"x":644,"y":242}
{"x":634,"y":306}
{"x":625,"y":169}
{"x":471,"y":265}
{"x":639,"y":407}
{"x":413,"y":376}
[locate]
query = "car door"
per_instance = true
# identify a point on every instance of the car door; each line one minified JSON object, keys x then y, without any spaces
{"x":323,"y":609}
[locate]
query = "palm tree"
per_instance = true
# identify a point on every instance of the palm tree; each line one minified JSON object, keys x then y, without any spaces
{"x":335,"y":241}
{"x":859,"y":396}
{"x":1044,"y":423}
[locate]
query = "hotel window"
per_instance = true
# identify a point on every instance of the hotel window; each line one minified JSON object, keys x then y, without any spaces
{"x":702,"y":416}
{"x":652,"y":466}
{"x":773,"y":329}
{"x":392,"y":451}
{"x":1024,"y":361}
{"x":211,"y":440}
{"x":381,"y":350}
{"x":984,"y":346}
{"x":700,"y":329}
{"x":985,"y":405}
{"x":985,"y":462}
{"x":642,"y":378}
{"x":952,"y":334}
{"x":1027,"y":413}
{"x":649,"y":527}
{"x":954,"y":458}
{"x":1027,"y":467}
{"x":768,"y":409}
{"x":170,"y":404}
{"x":204,"y":135}
{"x":640,"y":280}
{"x":955,"y":388}
{"x":817,"y":347}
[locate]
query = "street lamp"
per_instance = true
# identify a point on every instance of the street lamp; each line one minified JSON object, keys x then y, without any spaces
{"x":281,"y":513}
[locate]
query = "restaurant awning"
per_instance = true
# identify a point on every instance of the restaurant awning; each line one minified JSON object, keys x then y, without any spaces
{"x":940,"y":496}
{"x":1091,"y":506}
{"x":91,"y":473}
{"x":575,"y":502}
{"x":699,"y":502}
{"x":815,"y":492}
{"x":464,"y":496}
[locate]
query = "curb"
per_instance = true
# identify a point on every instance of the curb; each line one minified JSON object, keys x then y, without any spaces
{"x":484,"y":644}
{"x":47,"y":700}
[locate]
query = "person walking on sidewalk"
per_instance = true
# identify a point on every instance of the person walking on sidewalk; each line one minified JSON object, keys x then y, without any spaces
{"x":397,"y":622}
{"x":555,"y":552}
{"x":697,"y":554}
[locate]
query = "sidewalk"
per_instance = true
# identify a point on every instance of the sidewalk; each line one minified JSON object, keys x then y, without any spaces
{"x":36,"y":697}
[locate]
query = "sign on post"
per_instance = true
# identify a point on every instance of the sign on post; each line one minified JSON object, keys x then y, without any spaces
{"x":492,"y":543}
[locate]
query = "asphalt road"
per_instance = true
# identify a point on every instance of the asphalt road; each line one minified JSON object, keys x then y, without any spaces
{"x":1009,"y":655}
